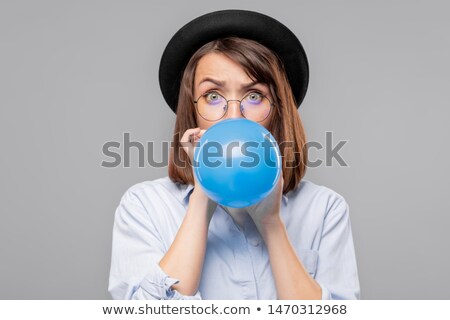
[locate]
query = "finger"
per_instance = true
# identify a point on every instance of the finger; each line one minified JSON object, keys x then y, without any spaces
{"x":186,"y":141}
{"x":280,"y":184}
{"x":188,"y":134}
{"x":198,"y":135}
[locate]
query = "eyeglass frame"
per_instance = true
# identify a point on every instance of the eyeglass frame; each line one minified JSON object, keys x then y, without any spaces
{"x":240,"y":105}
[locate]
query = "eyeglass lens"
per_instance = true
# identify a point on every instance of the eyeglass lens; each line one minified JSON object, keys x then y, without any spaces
{"x":254,"y":106}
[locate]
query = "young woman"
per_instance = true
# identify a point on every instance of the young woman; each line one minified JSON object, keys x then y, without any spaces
{"x":170,"y":241}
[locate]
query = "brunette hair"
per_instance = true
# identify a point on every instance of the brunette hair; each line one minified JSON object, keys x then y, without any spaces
{"x":262,"y":65}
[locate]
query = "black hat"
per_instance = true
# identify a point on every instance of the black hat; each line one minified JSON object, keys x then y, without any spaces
{"x":240,"y":23}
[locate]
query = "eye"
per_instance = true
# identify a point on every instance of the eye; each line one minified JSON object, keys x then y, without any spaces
{"x":212,"y":96}
{"x":255,"y":97}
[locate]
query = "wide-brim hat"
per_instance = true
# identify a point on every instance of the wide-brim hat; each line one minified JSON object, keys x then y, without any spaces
{"x":240,"y":23}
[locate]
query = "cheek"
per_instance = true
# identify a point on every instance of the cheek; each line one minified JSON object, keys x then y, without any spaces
{"x":266,"y":122}
{"x":203,"y":124}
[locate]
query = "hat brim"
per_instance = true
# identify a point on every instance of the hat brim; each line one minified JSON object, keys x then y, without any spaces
{"x":241,"y":23}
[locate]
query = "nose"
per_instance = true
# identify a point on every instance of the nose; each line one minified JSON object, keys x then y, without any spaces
{"x":234,"y":109}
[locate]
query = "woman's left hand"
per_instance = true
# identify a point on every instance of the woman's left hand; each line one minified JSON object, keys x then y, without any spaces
{"x":267,"y":211}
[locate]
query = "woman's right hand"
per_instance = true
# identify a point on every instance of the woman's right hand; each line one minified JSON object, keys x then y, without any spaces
{"x":189,"y":141}
{"x":185,"y":257}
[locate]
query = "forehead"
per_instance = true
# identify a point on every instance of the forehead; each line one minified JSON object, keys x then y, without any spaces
{"x":220,"y":67}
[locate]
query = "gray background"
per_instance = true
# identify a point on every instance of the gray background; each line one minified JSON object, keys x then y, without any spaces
{"x":74,"y":75}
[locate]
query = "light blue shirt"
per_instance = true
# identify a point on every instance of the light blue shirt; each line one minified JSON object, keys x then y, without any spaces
{"x":236,"y":262}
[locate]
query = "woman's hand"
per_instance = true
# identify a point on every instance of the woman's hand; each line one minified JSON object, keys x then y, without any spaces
{"x":185,"y":257}
{"x":267,"y":212}
{"x":189,"y":141}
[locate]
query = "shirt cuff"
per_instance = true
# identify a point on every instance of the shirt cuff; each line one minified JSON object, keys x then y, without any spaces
{"x":159,"y":285}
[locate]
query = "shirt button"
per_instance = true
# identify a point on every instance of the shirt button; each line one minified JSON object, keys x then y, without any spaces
{"x":254,"y":242}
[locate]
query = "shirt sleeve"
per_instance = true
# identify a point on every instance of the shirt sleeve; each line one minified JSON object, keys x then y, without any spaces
{"x":136,"y":251}
{"x":337,"y":272}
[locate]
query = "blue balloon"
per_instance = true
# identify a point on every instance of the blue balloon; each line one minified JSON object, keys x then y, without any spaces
{"x":237,"y":162}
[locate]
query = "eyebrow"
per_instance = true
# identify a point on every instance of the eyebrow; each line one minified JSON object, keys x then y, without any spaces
{"x":222,"y":83}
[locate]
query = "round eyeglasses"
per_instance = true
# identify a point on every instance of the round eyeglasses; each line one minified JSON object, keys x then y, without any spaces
{"x":212,"y":106}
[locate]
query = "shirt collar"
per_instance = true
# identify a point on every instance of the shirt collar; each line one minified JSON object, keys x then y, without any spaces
{"x":187,"y":192}
{"x":285,"y":199}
